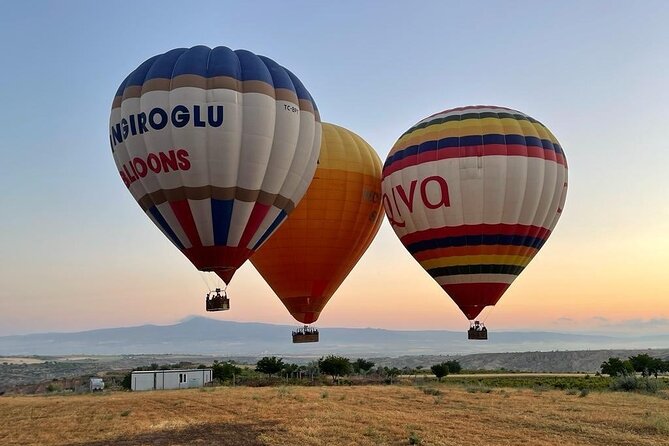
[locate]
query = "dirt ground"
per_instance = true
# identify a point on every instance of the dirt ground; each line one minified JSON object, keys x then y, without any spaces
{"x":365,"y":415}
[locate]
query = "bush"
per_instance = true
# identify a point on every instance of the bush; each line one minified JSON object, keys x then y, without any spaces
{"x":635,"y":384}
{"x":626,"y":383}
{"x":440,"y":370}
{"x":542,"y":382}
{"x":414,"y":438}
{"x":52,"y":387}
{"x":650,"y":385}
{"x":431,"y":391}
{"x":477,"y":389}
{"x":283,"y":391}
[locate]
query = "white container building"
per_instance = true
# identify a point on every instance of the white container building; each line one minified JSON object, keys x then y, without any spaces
{"x":170,"y":379}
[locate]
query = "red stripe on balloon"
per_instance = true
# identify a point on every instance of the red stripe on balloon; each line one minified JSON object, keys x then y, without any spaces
{"x":184,"y":215}
{"x":472,"y":298}
{"x":482,"y":229}
{"x":470,"y":151}
{"x":257,"y":216}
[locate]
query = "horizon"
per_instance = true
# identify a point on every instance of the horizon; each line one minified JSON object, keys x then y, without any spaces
{"x":596,"y":332}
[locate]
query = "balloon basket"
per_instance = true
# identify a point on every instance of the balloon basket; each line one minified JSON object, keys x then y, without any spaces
{"x":217,"y":301}
{"x":306,"y":334}
{"x":480,"y":335}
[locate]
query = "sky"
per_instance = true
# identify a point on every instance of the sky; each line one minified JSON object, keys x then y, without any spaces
{"x":76,"y":252}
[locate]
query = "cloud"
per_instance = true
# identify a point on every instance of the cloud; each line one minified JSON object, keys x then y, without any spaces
{"x":640,"y":323}
{"x":603,"y":324}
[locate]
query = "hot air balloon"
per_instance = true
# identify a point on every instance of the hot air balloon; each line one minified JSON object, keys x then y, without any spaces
{"x":473,"y":193}
{"x":311,"y":254}
{"x":217,"y":147}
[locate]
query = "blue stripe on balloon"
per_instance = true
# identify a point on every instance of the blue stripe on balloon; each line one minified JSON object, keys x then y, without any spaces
{"x":224,"y":62}
{"x":207,"y":62}
{"x":455,"y":142}
{"x":253,"y":68}
{"x":136,"y":78}
{"x":275,"y":224}
{"x":220,"y":61}
{"x":457,"y":270}
{"x":192,"y":61}
{"x":163,"y":67}
{"x":221,"y":213}
{"x":165,"y":227}
{"x":302,"y":92}
{"x":280,"y":76}
{"x":476,"y":240}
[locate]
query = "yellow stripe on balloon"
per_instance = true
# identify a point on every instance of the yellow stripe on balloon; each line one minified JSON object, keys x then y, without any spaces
{"x":474,"y":127}
{"x":476,"y":260}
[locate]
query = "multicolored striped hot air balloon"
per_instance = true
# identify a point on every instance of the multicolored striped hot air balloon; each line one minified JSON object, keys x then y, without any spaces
{"x":217,"y":146}
{"x":311,"y":254}
{"x":473,"y":193}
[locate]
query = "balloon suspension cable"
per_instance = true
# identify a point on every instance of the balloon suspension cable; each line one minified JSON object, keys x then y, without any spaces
{"x":485,"y":319}
{"x":206,"y":284}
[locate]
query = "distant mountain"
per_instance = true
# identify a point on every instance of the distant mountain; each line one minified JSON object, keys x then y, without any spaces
{"x":200,"y":335}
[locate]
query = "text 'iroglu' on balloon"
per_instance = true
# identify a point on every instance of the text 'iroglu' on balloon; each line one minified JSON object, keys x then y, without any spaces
{"x":158,"y":119}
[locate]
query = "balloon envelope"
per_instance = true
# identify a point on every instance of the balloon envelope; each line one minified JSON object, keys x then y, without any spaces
{"x":311,"y":254}
{"x":217,"y":146}
{"x":473,"y":193}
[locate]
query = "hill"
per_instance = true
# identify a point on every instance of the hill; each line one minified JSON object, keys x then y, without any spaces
{"x":205,"y":336}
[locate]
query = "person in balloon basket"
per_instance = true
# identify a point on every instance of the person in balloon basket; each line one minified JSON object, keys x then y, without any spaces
{"x":478,"y":326}
{"x":214,"y":301}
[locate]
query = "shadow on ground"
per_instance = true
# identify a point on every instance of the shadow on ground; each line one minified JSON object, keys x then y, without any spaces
{"x":222,"y":434}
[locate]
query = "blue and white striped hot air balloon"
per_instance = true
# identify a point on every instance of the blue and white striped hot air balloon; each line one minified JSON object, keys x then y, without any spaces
{"x":217,"y":146}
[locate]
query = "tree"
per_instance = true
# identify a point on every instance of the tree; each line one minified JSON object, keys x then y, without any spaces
{"x":269,"y":365}
{"x":648,"y":365}
{"x":391,"y":373}
{"x":126,"y":382}
{"x":334,"y":366}
{"x":361,"y":365}
{"x":289,"y":370}
{"x":312,"y":369}
{"x":664,"y":366}
{"x":453,"y":366}
{"x":658,"y":366}
{"x":643,"y":363}
{"x":224,"y":370}
{"x":440,"y":370}
{"x":617,"y":367}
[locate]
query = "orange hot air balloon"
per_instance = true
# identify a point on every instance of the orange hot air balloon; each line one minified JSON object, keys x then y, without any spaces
{"x":311,"y":254}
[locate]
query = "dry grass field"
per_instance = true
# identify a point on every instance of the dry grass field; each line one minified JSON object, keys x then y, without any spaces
{"x":366,"y":415}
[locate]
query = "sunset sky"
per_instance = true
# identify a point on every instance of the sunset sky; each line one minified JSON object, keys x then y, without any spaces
{"x":76,"y":252}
